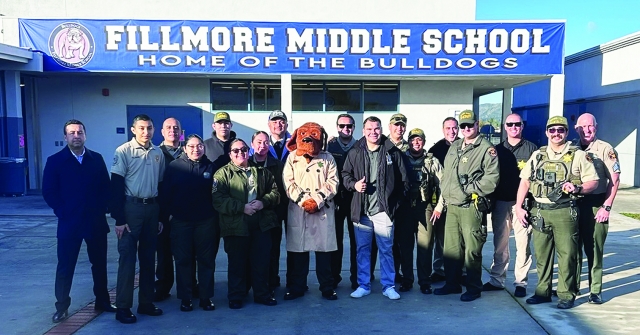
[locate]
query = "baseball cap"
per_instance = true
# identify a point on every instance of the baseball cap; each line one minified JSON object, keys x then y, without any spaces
{"x":467,"y":117}
{"x":416,"y":132}
{"x":221,"y":116}
{"x":398,"y":118}
{"x":558,"y":121}
{"x":277,"y":114}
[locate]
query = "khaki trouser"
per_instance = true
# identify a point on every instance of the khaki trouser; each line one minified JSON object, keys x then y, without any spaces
{"x":503,"y":219}
{"x":562,"y":240}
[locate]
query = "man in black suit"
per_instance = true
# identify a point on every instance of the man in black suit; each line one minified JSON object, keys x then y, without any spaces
{"x":76,"y":186}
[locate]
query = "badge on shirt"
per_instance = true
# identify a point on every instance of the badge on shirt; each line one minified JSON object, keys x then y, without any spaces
{"x":492,"y":152}
{"x":320,"y":164}
{"x":465,"y":159}
{"x":568,"y":157}
{"x":206,"y":175}
{"x":521,"y":164}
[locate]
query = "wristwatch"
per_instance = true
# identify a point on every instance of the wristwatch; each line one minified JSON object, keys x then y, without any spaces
{"x":606,"y":208}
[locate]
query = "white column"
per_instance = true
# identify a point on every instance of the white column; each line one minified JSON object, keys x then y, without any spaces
{"x":286,"y":97}
{"x":556,"y":95}
{"x":507,"y":98}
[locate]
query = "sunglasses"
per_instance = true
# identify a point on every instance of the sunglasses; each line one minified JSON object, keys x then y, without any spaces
{"x":466,"y":125}
{"x":243,"y":150}
{"x":560,"y":130}
{"x":349,"y":126}
{"x":399,"y":119}
{"x":514,"y":124}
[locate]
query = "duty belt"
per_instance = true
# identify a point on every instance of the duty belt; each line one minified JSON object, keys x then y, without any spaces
{"x":552,"y":206}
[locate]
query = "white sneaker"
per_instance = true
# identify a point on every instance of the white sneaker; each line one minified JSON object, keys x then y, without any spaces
{"x":360,"y":292}
{"x":391,"y":293}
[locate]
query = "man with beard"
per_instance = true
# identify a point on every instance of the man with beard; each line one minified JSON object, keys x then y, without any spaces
{"x":555,"y":175}
{"x":339,"y":148}
{"x":439,"y":151}
{"x":217,"y":147}
{"x":513,"y":153}
{"x":379,"y":185}
{"x":425,"y":173}
{"x":75,"y":185}
{"x":595,"y":207}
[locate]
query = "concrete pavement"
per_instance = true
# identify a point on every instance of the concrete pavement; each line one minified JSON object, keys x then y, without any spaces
{"x":28,"y":261}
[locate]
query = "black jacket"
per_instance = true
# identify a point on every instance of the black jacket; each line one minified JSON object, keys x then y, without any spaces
{"x":187,"y":189}
{"x":77,"y":193}
{"x":511,"y":159}
{"x":344,"y":196}
{"x":393,"y":176}
{"x":275,"y":166}
{"x":439,"y":150}
{"x":218,"y":151}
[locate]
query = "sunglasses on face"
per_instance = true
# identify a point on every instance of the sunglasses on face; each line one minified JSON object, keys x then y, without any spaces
{"x":243,"y":150}
{"x":514,"y":124}
{"x":560,"y":130}
{"x":349,"y":126}
{"x":466,"y":125}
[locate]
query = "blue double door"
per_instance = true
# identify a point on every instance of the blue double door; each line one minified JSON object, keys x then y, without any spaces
{"x":190,"y":118}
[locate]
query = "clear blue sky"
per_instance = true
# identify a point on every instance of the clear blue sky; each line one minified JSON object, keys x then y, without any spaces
{"x":589,"y":22}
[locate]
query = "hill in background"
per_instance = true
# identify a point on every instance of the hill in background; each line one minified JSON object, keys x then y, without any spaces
{"x":491,"y":113}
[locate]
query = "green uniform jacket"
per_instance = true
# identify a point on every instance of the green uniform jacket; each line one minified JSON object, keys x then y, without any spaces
{"x":479,"y":161}
{"x":230,"y":194}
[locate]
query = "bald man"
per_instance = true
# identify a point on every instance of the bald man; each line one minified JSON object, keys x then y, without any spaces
{"x":513,"y":153}
{"x":171,"y":149}
{"x":595,"y":207}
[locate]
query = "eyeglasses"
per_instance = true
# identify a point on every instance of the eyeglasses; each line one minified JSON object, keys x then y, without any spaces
{"x":198,"y":146}
{"x":237,"y":151}
{"x":514,"y":124}
{"x":466,"y":125}
{"x":560,"y":130}
{"x":349,"y":126}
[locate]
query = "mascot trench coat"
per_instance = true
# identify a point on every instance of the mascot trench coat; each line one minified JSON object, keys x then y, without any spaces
{"x":302,"y":181}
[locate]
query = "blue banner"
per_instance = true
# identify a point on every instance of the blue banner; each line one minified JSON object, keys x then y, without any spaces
{"x":438,"y":49}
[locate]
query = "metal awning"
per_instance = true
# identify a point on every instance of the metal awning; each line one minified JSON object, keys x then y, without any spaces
{"x":19,"y":59}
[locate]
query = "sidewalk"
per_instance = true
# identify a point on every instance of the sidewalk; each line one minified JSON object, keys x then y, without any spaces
{"x":28,"y":261}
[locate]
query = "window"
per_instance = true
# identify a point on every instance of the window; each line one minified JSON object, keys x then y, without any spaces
{"x":381,"y":97}
{"x":307,"y":96}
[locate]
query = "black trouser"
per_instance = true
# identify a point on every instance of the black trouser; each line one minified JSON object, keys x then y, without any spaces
{"x":274,"y":263}
{"x":300,"y":271}
{"x":199,"y":240}
{"x":438,"y":244}
{"x":424,"y":237}
{"x":143,"y":223}
{"x":403,"y":243}
{"x":254,"y":249}
{"x":164,"y":268}
{"x":336,"y":256}
{"x":68,"y":251}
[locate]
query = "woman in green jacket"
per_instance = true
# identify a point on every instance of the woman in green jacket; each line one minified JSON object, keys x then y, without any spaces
{"x":246,"y":196}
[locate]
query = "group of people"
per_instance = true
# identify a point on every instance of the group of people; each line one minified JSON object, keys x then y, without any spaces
{"x":177,"y":201}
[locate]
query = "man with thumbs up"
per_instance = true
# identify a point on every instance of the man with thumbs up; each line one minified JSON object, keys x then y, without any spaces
{"x":378,"y":185}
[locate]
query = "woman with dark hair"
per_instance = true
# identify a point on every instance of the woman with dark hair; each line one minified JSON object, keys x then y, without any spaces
{"x":246,"y":196}
{"x":194,"y":222}
{"x":260,"y":144}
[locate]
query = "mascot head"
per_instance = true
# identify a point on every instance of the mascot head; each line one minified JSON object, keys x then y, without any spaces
{"x":308,"y":140}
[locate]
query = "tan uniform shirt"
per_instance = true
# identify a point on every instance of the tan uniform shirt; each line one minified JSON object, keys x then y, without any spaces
{"x":141,"y":168}
{"x":605,"y":159}
{"x":580,"y":166}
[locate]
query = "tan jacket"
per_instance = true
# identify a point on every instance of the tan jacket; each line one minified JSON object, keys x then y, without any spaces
{"x":317,"y":180}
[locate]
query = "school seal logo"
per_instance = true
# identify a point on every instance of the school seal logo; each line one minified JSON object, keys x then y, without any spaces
{"x":71,"y":45}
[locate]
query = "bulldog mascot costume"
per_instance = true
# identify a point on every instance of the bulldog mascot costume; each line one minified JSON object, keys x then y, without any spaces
{"x":311,"y":181}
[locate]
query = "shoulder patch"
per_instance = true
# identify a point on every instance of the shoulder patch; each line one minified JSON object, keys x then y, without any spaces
{"x":492,"y":152}
{"x":214,"y":187}
{"x":612,"y":155}
{"x":588,"y":157}
{"x":115,"y":160}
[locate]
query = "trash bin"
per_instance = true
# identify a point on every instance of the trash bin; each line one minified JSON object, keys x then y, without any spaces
{"x":13,"y":180}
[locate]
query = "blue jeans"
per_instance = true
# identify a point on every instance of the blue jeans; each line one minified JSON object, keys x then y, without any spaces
{"x":383,"y":228}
